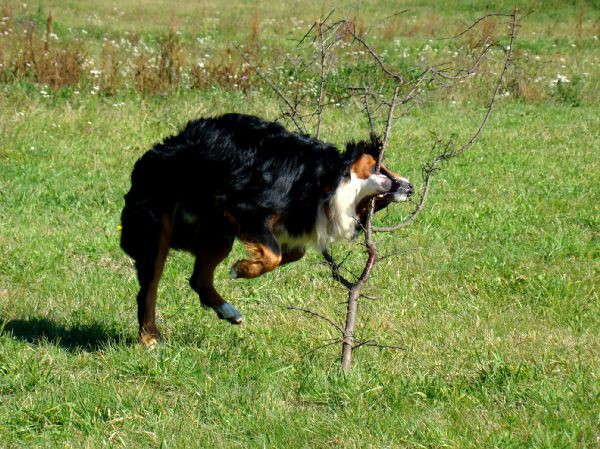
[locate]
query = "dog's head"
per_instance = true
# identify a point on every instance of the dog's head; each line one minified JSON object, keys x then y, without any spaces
{"x":359,"y":182}
{"x":383,"y":185}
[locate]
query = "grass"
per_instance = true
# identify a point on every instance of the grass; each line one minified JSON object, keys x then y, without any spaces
{"x":493,"y":294}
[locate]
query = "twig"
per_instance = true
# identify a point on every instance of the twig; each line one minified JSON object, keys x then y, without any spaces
{"x":335,"y":270}
{"x":374,"y":344}
{"x":428,"y":171}
{"x":334,"y":341}
{"x":368,"y":109}
{"x":388,"y":72}
{"x":474,"y":24}
{"x":388,"y":126}
{"x":322,"y":80}
{"x":318,"y":315}
{"x":391,"y":16}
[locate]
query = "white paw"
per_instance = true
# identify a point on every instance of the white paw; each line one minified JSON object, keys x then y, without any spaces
{"x":227,"y":312}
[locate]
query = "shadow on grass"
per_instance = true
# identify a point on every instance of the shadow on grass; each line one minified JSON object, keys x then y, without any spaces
{"x":78,"y":337}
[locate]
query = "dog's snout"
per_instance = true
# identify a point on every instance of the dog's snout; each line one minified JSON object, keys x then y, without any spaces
{"x":402,"y":185}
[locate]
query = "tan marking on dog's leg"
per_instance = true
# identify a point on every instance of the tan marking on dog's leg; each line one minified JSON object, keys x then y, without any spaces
{"x":262,"y":260}
{"x":149,"y":334}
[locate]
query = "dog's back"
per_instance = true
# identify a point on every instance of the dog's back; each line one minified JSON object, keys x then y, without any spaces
{"x":234,"y":164}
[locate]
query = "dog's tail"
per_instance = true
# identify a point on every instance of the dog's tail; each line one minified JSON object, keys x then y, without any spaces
{"x":145,"y":204}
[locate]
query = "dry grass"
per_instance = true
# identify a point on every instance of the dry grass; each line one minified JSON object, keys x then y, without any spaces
{"x":32,"y":56}
{"x":37,"y":50}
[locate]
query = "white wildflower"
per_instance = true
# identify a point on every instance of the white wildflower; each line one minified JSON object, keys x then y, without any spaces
{"x":559,"y":79}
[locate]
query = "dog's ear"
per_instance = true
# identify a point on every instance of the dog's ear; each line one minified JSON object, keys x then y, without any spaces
{"x":373,"y":147}
{"x":353,"y":151}
{"x":376,"y":144}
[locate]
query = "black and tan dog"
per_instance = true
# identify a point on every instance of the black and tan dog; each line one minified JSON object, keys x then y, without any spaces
{"x":237,"y":176}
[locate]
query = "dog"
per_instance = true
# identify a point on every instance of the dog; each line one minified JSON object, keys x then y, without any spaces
{"x":238,"y":176}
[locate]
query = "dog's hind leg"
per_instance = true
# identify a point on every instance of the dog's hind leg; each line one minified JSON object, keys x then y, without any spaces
{"x":208,"y":257}
{"x":149,"y":270}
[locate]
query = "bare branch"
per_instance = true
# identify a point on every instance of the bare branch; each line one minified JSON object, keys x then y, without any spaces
{"x":354,"y":293}
{"x":507,"y":62}
{"x":334,"y":341}
{"x":465,"y":72}
{"x":335,"y":270}
{"x":388,"y":126}
{"x":322,"y":80}
{"x":368,"y":109}
{"x":428,"y":171}
{"x":474,"y":24}
{"x":317,"y":315}
{"x":388,"y":72}
{"x":374,"y":344}
{"x":385,"y":19}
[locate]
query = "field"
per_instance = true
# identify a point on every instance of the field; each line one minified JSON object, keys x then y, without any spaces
{"x":492,"y":294}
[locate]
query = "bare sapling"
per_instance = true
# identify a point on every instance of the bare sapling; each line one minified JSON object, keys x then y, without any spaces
{"x":384,"y":95}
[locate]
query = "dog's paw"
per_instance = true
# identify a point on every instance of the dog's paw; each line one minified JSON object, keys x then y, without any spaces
{"x":233,"y":274}
{"x":149,"y":340}
{"x":227,"y":312}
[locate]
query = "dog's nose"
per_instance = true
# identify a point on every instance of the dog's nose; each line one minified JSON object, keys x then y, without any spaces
{"x":407,"y":187}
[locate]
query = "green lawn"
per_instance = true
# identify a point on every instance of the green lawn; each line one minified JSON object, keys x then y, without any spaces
{"x":492,"y":293}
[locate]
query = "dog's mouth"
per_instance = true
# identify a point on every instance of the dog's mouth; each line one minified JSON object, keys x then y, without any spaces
{"x":400,"y":191}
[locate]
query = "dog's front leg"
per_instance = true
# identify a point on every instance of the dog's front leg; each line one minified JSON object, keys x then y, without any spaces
{"x":208,"y":257}
{"x":265,"y":256}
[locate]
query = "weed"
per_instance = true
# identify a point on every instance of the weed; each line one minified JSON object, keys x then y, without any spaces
{"x":255,"y":27}
{"x":567,"y":91}
{"x":109,"y":69}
